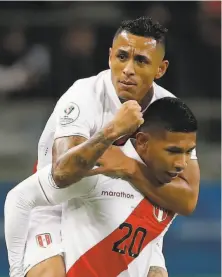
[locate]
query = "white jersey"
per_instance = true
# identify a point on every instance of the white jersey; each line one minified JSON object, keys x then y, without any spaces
{"x":109,"y":228}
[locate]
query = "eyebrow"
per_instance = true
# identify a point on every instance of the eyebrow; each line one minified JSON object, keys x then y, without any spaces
{"x":145,"y":58}
{"x":137,"y":56}
{"x":174,"y":148}
{"x":121,"y":51}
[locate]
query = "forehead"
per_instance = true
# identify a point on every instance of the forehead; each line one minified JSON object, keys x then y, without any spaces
{"x":127,"y":42}
{"x":179,"y":139}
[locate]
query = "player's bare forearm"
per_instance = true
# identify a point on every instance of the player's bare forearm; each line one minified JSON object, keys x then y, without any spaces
{"x":156,"y":271}
{"x":73,"y":164}
{"x":180,"y":195}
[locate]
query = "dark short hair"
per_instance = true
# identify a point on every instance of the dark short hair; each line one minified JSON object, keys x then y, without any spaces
{"x":171,"y":114}
{"x":144,"y":27}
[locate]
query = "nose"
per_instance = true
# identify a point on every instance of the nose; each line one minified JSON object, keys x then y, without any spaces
{"x":181,"y":163}
{"x":129,"y":69}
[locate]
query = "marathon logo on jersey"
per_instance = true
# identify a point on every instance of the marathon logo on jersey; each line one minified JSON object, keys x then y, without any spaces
{"x":159,"y":213}
{"x":69,"y":114}
{"x":43,"y":240}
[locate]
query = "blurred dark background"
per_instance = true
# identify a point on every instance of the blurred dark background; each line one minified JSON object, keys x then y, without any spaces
{"x":46,"y":46}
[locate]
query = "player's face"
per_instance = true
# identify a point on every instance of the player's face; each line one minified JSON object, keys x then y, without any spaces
{"x":135,"y":62}
{"x":167,"y":153}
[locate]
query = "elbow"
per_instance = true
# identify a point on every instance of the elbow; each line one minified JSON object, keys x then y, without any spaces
{"x":189,"y":207}
{"x":63,"y":178}
{"x":60,"y":179}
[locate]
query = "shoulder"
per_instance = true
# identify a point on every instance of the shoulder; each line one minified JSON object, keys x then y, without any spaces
{"x":161,"y":92}
{"x":85,"y":91}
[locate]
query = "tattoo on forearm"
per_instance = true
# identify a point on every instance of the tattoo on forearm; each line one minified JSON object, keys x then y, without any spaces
{"x":95,"y":147}
{"x":76,"y":159}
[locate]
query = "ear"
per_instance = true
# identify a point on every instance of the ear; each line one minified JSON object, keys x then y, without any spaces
{"x":110,"y":56}
{"x":162,"y":69}
{"x":142,"y":140}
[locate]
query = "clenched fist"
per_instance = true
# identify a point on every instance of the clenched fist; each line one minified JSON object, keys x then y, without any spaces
{"x":128,"y":118}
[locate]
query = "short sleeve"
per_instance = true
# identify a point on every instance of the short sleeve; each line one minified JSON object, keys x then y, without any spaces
{"x":75,"y":113}
{"x":157,"y":257}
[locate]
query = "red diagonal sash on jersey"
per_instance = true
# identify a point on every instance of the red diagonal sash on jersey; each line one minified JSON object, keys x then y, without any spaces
{"x":101,"y":261}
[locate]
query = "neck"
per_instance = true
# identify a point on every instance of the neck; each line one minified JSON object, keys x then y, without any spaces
{"x":144,"y":103}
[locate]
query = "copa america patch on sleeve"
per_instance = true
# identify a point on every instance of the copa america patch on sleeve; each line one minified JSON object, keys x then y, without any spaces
{"x":70,"y":114}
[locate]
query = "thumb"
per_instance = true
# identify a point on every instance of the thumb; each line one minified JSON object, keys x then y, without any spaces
{"x":99,"y":162}
{"x":96,"y":171}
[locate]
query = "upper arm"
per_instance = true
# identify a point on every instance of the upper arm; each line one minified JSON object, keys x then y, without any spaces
{"x":76,"y":112}
{"x":75,"y":119}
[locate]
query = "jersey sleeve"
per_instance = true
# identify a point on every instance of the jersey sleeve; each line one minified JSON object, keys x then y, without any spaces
{"x":75,"y":113}
{"x":193,"y":155}
{"x":157,"y":257}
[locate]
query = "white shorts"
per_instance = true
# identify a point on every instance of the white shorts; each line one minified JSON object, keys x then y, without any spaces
{"x":44,"y":237}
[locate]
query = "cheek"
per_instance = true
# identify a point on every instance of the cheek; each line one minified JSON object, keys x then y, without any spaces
{"x":146,"y":75}
{"x":166,"y":161}
{"x":116,"y":66}
{"x":160,"y":160}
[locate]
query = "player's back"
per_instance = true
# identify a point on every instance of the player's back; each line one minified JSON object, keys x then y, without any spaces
{"x":111,"y":230}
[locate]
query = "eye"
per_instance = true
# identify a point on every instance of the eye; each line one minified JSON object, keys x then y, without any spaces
{"x":121,"y":56}
{"x":141,"y":60}
{"x":174,"y":151}
{"x":171,"y":151}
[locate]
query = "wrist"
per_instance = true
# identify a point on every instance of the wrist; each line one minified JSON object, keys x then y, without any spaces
{"x":110,"y":132}
{"x":130,"y":169}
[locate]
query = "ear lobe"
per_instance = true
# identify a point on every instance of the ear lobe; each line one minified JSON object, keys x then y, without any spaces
{"x":162,"y":69}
